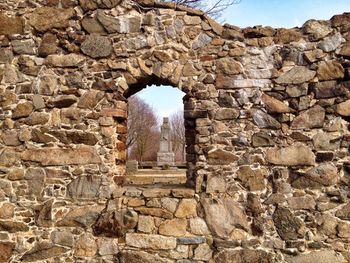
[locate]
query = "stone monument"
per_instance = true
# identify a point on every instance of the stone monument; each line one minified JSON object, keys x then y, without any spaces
{"x":165,"y":155}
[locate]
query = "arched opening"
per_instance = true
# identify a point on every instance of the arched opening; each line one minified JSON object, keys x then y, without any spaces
{"x":158,"y":137}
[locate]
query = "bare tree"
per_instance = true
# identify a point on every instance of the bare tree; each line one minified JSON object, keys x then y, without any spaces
{"x":213,"y":8}
{"x":142,"y":139}
{"x":178,"y":134}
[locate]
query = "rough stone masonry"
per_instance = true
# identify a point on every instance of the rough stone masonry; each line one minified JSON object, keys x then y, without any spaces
{"x":267,"y":116}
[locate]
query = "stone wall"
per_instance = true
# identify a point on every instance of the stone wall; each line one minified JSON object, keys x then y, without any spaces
{"x":267,"y":127}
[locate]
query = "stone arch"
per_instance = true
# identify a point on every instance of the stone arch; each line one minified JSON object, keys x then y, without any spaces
{"x":270,"y":114}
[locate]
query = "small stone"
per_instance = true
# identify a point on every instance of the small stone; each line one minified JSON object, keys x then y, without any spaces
{"x":202,"y":40}
{"x":158,"y":212}
{"x":309,"y":119}
{"x":326,"y":142}
{"x":96,"y":46}
{"x":226,"y":114}
{"x":345,"y":50}
{"x":23,"y":47}
{"x":264,"y":120}
{"x":297,"y":91}
{"x":221,"y":157}
{"x":7,"y":211}
{"x":62,"y":237}
{"x":262,"y":139}
{"x":63,"y":101}
{"x":192,"y":20}
{"x":297,"y":154}
{"x":146,"y":224}
{"x":323,"y":175}
{"x":190,"y":240}
{"x":83,"y":216}
{"x":13,"y":226}
{"x":10,"y":138}
{"x":316,"y":29}
{"x":329,"y":89}
{"x":186,"y":208}
{"x":91,"y":25}
{"x":85,"y":246}
{"x":252,"y":179}
{"x":198,"y":226}
{"x":37,"y":118}
{"x":203,"y":252}
{"x":297,"y":75}
{"x":331,"y":43}
{"x":8,"y":157}
{"x":43,"y":213}
{"x":65,"y":61}
{"x":306,"y":202}
{"x":343,"y":108}
{"x":228,"y":66}
{"x":344,"y":212}
{"x":152,"y":193}
{"x":48,"y":85}
{"x":84,"y":187}
{"x":173,"y":227}
{"x":6,"y":249}
{"x":42,"y":251}
{"x":48,"y":45}
{"x":329,"y":70}
{"x":323,"y":256}
{"x":314,"y":55}
{"x":11,"y":25}
{"x":15,"y":174}
{"x":107,"y":247}
{"x":274,"y":105}
{"x":340,"y":20}
{"x":343,"y":230}
{"x":90,"y":99}
{"x":46,"y":18}
{"x":146,"y":241}
{"x":35,"y":178}
{"x":285,"y":36}
{"x":231,"y":216}
{"x":57,"y":156}
{"x":288,"y":226}
{"x":183,"y":192}
{"x":6,"y":55}
{"x":120,"y":24}
{"x":22,"y":110}
{"x":135,"y":256}
{"x":243,"y":256}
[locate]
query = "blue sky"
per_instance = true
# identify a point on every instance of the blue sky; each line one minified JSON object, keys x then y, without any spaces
{"x":275,"y":13}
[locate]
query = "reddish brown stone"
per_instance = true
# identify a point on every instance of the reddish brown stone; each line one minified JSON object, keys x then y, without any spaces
{"x":11,"y":25}
{"x":6,"y":250}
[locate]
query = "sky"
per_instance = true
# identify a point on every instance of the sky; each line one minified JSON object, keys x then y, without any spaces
{"x":276,"y":13}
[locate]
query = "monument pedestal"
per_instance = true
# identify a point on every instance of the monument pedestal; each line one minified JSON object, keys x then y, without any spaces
{"x":165,"y":158}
